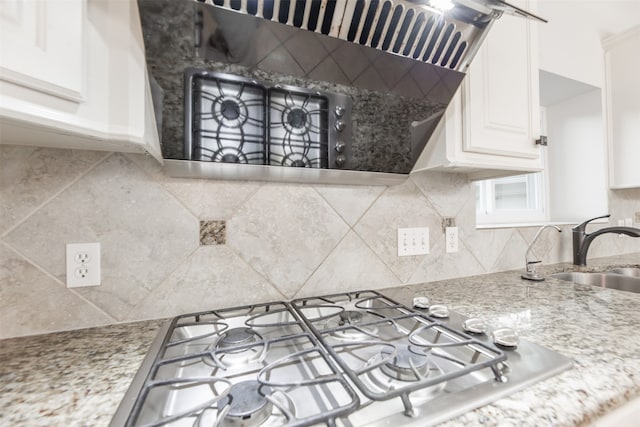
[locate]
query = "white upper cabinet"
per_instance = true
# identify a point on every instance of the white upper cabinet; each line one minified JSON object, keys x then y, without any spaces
{"x":492,"y":124}
{"x":73,"y":75}
{"x":622,"y":68}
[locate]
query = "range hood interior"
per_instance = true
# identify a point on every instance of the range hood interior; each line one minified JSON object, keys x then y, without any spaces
{"x":393,"y":120}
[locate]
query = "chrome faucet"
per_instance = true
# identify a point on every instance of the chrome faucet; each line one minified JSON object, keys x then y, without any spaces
{"x":530,"y":273}
{"x":582,"y":240}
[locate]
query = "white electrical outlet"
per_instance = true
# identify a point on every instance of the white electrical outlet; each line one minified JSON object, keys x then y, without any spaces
{"x":413,"y":241}
{"x":451,"y":239}
{"x":83,"y":264}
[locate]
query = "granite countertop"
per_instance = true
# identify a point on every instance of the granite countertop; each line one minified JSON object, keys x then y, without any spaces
{"x":78,"y":378}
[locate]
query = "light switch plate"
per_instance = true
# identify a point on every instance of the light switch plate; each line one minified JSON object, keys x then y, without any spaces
{"x":413,"y":241}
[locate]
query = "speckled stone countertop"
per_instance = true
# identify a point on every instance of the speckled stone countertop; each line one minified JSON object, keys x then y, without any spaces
{"x":78,"y":378}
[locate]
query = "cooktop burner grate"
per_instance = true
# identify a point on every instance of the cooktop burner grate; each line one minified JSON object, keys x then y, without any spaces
{"x":232,"y":119}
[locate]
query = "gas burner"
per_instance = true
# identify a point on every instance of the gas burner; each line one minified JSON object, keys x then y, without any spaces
{"x":230,"y":112}
{"x":409,"y":364}
{"x":296,"y":120}
{"x":229,"y":155}
{"x":246,"y":405}
{"x":356,"y":332}
{"x":296,"y":160}
{"x":238,"y":336}
{"x":225,"y":353}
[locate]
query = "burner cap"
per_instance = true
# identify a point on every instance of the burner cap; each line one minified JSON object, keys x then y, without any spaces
{"x":298,"y":164}
{"x":248,"y":405}
{"x":229,"y":109}
{"x":237,"y":336}
{"x":230,"y":158}
{"x":350,"y":317}
{"x":403,"y":364}
{"x":297,"y":118}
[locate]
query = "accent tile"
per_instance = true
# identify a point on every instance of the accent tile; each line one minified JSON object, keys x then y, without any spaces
{"x":399,"y":206}
{"x":212,"y":233}
{"x":31,"y":175}
{"x":350,"y":201}
{"x":32,"y":302}
{"x":351,"y":266}
{"x":284,"y":232}
{"x":145,"y":234}
{"x":214,"y":277}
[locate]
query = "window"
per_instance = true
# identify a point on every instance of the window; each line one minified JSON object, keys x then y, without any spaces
{"x":514,"y":199}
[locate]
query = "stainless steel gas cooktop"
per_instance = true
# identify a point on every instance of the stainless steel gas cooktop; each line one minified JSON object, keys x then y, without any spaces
{"x":353,"y":359}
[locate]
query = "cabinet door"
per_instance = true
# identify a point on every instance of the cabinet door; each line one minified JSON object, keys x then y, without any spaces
{"x":41,"y":45}
{"x":501,"y":92}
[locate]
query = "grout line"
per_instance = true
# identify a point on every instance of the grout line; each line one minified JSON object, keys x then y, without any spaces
{"x":55,"y":195}
{"x":55,"y":279}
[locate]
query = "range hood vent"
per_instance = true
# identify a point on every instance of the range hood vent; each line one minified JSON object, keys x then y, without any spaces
{"x":410,"y":28}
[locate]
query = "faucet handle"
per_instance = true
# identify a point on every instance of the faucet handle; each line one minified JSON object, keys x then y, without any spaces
{"x":583,"y":226}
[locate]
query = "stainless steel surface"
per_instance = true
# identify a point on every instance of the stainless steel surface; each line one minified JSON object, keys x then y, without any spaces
{"x":233,"y":119}
{"x":582,"y":240}
{"x":346,"y":360}
{"x":626,"y":271}
{"x":609,"y":280}
{"x":198,"y":170}
{"x":415,"y":31}
{"x":530,"y":271}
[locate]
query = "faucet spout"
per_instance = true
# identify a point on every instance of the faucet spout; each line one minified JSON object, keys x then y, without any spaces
{"x":530,"y":273}
{"x":582,"y":241}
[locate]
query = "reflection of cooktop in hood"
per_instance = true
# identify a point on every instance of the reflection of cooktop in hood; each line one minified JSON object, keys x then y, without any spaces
{"x":382,"y":70}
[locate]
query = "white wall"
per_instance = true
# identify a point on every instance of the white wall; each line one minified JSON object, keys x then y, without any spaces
{"x":570,"y":44}
{"x":577,"y":158}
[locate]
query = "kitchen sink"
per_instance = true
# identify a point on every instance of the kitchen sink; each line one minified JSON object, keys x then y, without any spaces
{"x":622,"y":279}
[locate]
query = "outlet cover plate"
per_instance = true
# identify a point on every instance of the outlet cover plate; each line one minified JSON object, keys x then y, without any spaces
{"x":83,"y":264}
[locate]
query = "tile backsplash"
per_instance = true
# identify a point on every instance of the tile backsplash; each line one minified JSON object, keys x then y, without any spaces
{"x":280,"y":240}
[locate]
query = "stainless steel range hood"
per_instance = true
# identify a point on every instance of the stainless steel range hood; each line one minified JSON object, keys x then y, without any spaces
{"x":437,"y":45}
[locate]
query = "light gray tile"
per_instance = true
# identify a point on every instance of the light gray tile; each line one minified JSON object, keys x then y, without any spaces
{"x":307,"y":50}
{"x":33,"y":303}
{"x":392,"y":68}
{"x":281,"y":61}
{"x":370,"y":79}
{"x":206,"y":199}
{"x":30,"y":175}
{"x":214,"y":277}
{"x":144,"y":233}
{"x":512,"y":254}
{"x":266,"y":43}
{"x":440,"y":265}
{"x":486,"y":245}
{"x":351,"y":59}
{"x":351,"y":266}
{"x":330,"y":43}
{"x":329,"y":71}
{"x":426,"y":78}
{"x":440,"y":93}
{"x":399,"y":206}
{"x":447,"y":192}
{"x":408,"y":87}
{"x":543,"y":249}
{"x":285,"y":232}
{"x":350,"y":201}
